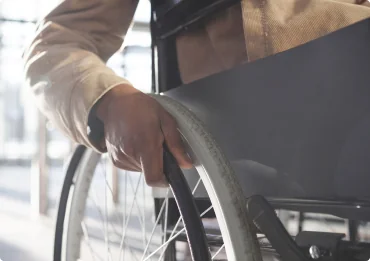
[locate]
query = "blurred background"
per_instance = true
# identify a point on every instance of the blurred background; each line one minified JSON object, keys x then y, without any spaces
{"x":32,"y":151}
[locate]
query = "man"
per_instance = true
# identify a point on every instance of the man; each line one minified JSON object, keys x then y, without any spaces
{"x":65,"y":66}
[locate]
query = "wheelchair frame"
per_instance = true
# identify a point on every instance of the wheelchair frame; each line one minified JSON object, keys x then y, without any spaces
{"x":165,"y":76}
{"x":185,"y":14}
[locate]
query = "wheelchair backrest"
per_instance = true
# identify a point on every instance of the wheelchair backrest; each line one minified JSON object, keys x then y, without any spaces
{"x":169,"y":18}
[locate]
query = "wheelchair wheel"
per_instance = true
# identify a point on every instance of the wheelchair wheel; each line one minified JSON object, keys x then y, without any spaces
{"x":92,"y":226}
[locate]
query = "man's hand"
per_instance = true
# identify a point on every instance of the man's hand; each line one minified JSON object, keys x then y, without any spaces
{"x":136,"y":127}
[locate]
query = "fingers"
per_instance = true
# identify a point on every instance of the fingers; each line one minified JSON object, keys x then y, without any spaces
{"x":144,"y":154}
{"x":125,"y":165}
{"x":129,"y":154}
{"x":135,"y":137}
{"x":174,"y":142}
{"x":152,"y":165}
{"x":123,"y":161}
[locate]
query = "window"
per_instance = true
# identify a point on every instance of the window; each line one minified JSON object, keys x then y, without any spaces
{"x":19,"y":124}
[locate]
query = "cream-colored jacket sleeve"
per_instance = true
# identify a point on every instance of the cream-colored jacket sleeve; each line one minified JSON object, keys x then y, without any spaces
{"x":65,"y":63}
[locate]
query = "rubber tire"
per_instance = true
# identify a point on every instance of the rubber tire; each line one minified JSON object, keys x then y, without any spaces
{"x":222,"y":187}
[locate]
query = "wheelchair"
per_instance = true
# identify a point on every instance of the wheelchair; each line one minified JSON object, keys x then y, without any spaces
{"x":285,"y":136}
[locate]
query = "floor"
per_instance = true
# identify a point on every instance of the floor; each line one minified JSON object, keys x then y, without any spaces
{"x":27,"y":236}
{"x":23,"y":234}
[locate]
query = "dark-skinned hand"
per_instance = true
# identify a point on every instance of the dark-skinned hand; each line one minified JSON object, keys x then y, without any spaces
{"x":136,"y":128}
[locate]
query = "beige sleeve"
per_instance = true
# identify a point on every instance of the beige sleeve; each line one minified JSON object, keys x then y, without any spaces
{"x":65,"y":63}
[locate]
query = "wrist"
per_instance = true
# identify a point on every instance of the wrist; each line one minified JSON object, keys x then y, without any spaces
{"x":119,"y":91}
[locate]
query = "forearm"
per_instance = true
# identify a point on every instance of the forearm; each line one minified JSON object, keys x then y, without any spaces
{"x":65,"y":63}
{"x":66,"y":81}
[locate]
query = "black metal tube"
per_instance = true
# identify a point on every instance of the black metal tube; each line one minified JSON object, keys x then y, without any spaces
{"x":190,"y":215}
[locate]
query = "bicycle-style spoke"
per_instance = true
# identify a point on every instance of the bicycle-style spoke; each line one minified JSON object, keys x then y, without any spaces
{"x":101,"y":215}
{"x":196,"y":186}
{"x":179,"y":220}
{"x":218,"y":251}
{"x":166,"y":218}
{"x":106,"y":236}
{"x":106,"y":226}
{"x":111,"y":192}
{"x":124,"y":214}
{"x":144,"y":221}
{"x":173,"y":237}
{"x":94,"y":200}
{"x":140,"y":217}
{"x":164,"y":206}
{"x":127,"y":221}
{"x":206,"y":211}
{"x":121,"y":235}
